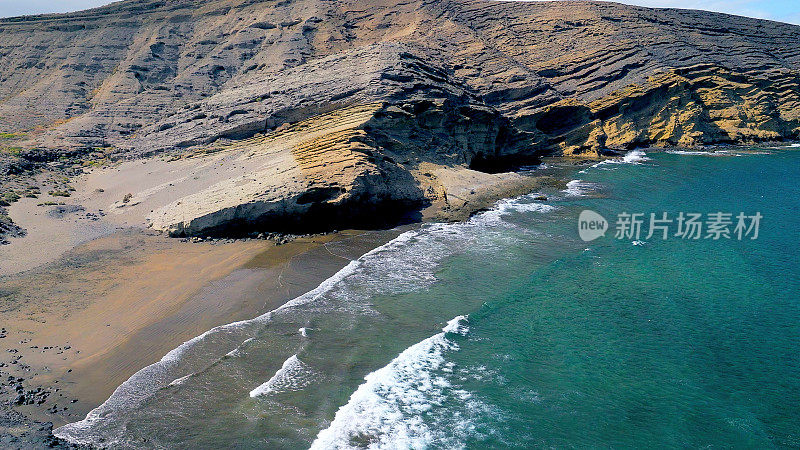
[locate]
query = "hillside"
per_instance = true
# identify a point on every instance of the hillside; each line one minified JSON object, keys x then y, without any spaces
{"x":401,"y":96}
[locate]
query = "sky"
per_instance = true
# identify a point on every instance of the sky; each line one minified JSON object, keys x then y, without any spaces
{"x":780,"y":10}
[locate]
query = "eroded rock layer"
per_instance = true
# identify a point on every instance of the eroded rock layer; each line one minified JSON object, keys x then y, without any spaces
{"x":340,"y":102}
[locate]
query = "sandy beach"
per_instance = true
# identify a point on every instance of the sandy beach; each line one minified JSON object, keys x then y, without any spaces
{"x":91,"y":294}
{"x":78,"y":328}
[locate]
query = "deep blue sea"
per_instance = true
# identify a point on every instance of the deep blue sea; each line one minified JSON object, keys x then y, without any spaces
{"x":510,"y":331}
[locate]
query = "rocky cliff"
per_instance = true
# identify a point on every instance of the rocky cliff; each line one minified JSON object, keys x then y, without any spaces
{"x":338,"y":103}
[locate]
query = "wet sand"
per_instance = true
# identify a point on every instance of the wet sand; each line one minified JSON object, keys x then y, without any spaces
{"x":114,"y":305}
{"x":91,"y":296}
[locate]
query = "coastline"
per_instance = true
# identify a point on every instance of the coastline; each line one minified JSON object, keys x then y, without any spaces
{"x":157,"y":376}
{"x":98,"y":309}
{"x":124,"y":322}
{"x":236,"y":225}
{"x":80,"y":327}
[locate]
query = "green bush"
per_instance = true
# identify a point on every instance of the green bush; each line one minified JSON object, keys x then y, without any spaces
{"x":10,"y":197}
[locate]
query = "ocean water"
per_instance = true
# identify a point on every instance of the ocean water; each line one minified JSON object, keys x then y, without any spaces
{"x":509,"y":331}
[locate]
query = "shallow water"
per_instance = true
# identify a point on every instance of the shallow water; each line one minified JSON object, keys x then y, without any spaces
{"x":510,"y":331}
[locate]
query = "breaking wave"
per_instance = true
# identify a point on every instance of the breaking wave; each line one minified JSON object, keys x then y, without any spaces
{"x":632,"y":157}
{"x":405,"y":264}
{"x":635,"y":157}
{"x":580,"y":188}
{"x":292,"y":376}
{"x":389,"y":409}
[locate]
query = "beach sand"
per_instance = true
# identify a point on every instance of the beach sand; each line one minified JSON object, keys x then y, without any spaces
{"x":91,"y":295}
{"x":86,"y":323}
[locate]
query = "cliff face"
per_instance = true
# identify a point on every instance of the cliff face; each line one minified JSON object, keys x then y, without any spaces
{"x":141,"y":75}
{"x":346,"y":167}
{"x":474,"y":83}
{"x":688,"y":107}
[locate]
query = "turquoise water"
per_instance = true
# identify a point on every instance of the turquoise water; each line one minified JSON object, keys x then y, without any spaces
{"x":677,"y":343}
{"x":548,"y":341}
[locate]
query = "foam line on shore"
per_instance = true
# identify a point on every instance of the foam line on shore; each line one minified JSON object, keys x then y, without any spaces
{"x":413,"y":254}
{"x":150,"y":379}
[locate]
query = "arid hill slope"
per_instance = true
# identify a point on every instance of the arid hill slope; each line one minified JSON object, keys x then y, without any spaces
{"x":470,"y":83}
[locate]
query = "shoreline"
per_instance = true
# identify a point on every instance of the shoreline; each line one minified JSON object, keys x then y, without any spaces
{"x":81,"y":325}
{"x":119,"y":303}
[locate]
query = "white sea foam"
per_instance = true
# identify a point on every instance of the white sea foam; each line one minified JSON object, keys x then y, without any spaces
{"x":506,"y":206}
{"x":573,"y":188}
{"x":632,"y":157}
{"x":293,"y":375}
{"x":388,"y":408}
{"x":136,"y":389}
{"x":541,"y":166}
{"x":601,"y":165}
{"x":303,"y":332}
{"x":150,"y":379}
{"x":719,"y":153}
{"x":237,"y":350}
{"x":524,"y":204}
{"x":635,"y":157}
{"x":405,"y":264}
{"x":794,"y":145}
{"x":690,"y":152}
{"x":579,"y":188}
{"x":181,"y":380}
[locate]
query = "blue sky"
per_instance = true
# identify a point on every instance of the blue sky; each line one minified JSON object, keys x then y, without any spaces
{"x":781,"y":10}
